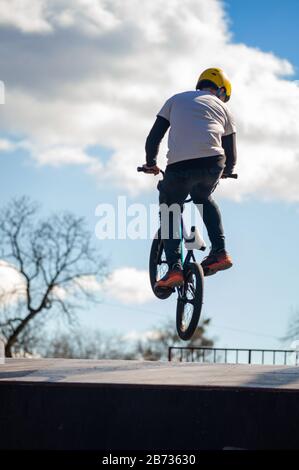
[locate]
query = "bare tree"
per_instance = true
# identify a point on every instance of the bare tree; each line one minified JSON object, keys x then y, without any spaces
{"x":86,"y":344}
{"x":156,"y":344}
{"x":292,"y":332}
{"x":54,"y":262}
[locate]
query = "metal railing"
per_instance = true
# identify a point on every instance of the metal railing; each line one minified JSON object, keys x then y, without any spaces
{"x":234,"y":355}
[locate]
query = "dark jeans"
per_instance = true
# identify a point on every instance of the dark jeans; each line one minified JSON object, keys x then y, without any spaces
{"x":174,"y":189}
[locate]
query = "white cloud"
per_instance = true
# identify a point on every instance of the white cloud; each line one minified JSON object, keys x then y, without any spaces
{"x":142,"y":335}
{"x":62,"y":155}
{"x":89,"y":284}
{"x":99,"y":73}
{"x":125,"y":284}
{"x":12,"y":286}
{"x":128,"y":285}
{"x":27,"y":15}
{"x":6,"y":145}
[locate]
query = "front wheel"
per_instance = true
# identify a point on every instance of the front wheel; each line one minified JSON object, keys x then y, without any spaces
{"x":190,"y":301}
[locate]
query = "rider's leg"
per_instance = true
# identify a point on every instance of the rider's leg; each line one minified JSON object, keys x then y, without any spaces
{"x":218,"y":258}
{"x":173,"y":191}
{"x":201,"y":193}
{"x":170,"y":219}
{"x":213,"y":222}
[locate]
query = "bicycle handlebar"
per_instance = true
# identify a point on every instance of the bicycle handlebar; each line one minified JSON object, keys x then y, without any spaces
{"x":141,"y":169}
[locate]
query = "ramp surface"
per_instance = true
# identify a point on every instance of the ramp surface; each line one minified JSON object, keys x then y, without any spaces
{"x":86,"y":404}
{"x":149,"y":373}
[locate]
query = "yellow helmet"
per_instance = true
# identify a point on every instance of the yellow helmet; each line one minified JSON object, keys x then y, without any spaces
{"x":218,"y":78}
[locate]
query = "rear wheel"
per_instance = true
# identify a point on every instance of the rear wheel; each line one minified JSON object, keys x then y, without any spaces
{"x":158,"y":267}
{"x":190,"y":301}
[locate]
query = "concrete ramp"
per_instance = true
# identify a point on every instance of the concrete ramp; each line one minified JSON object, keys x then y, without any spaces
{"x":134,"y":405}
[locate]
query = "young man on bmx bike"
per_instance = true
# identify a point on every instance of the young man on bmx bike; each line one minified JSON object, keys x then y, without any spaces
{"x":201,"y":150}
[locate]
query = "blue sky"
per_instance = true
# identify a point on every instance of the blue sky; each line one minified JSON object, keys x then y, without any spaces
{"x":270,"y":25}
{"x":249,"y":305}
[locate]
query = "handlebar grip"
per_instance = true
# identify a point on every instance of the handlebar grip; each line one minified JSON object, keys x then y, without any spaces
{"x":140,"y":169}
{"x":233,"y":175}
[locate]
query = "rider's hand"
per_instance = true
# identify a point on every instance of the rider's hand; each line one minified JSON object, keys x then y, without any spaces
{"x":226,"y":173}
{"x":155,"y":170}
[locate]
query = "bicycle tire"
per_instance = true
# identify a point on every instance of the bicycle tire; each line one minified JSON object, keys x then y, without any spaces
{"x":191,"y":272}
{"x":155,"y":260}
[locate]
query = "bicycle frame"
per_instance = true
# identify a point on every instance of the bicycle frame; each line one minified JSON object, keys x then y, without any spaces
{"x":190,"y":255}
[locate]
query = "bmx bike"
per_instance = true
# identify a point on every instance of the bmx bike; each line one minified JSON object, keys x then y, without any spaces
{"x":190,"y":294}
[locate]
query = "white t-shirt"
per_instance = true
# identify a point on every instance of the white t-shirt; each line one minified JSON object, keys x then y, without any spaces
{"x":198,"y":120}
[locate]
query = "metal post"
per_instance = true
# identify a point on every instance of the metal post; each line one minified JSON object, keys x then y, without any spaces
{"x":249,"y":356}
{"x":263,"y":354}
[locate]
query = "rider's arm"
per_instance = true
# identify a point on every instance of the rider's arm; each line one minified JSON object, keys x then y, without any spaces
{"x":229,"y":142}
{"x":154,"y":139}
{"x":230,"y":150}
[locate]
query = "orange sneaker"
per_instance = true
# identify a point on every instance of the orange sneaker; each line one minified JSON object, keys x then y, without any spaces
{"x":173,"y":278}
{"x":216,"y":261}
